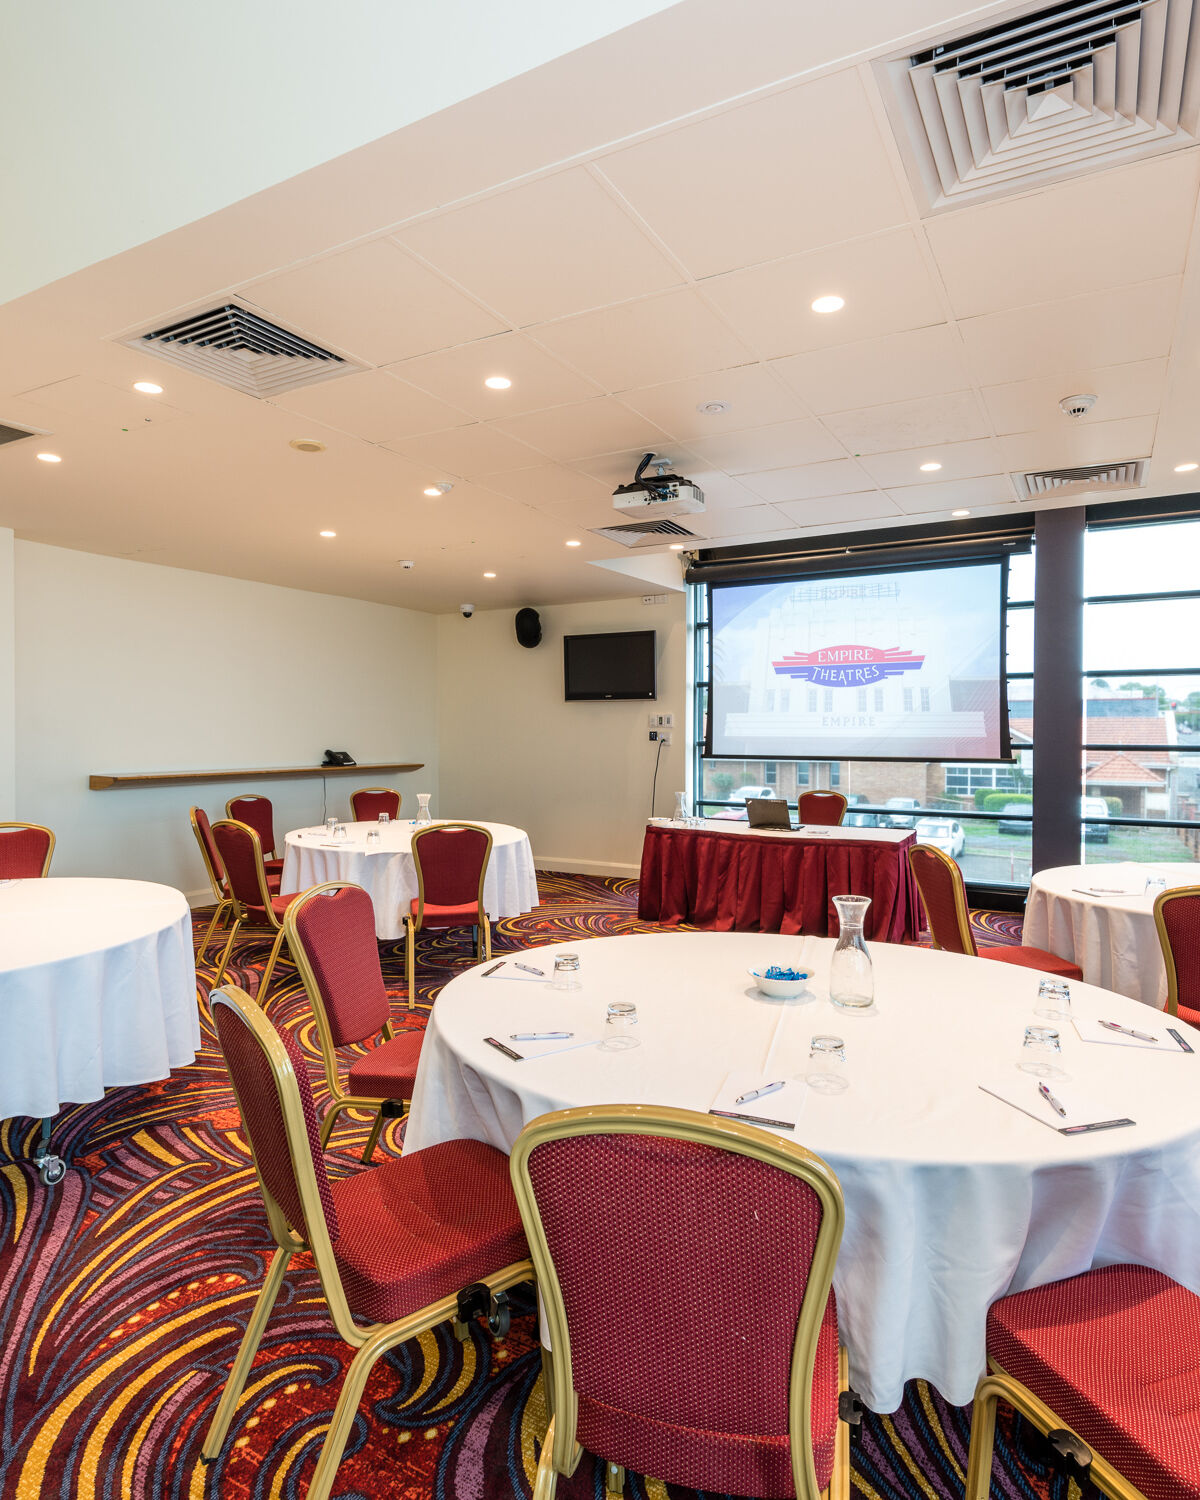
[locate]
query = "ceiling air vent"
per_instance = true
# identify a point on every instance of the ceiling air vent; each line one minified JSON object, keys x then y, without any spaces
{"x":1049,"y":93}
{"x":1085,"y":480}
{"x":237,"y":348}
{"x":646,"y":533}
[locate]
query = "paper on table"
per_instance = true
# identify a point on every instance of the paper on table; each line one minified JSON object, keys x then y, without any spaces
{"x":780,"y":1109}
{"x":1091,"y":1031}
{"x":530,"y":1051}
{"x":508,"y":970}
{"x":1102,"y":890}
{"x":1085,"y":1109}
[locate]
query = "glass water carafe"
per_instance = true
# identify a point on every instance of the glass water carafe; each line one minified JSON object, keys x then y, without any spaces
{"x":681,"y":809}
{"x":851,"y":976}
{"x":423,"y":813}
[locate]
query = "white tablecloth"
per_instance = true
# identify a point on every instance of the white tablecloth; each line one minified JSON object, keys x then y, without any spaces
{"x":952,"y":1197}
{"x":388,"y":874}
{"x":1111,"y":937}
{"x":97,"y":989}
{"x":806,"y":830}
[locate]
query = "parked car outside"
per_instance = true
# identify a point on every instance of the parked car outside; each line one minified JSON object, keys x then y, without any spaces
{"x":861,"y":820}
{"x":1017,"y":816}
{"x":741,"y":796}
{"x":943,"y":833}
{"x":1095,"y":807}
{"x":904,"y":814}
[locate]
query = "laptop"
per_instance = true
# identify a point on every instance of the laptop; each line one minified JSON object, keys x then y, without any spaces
{"x":768,"y":812}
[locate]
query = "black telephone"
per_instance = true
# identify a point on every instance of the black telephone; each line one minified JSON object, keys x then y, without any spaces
{"x":338,"y":758}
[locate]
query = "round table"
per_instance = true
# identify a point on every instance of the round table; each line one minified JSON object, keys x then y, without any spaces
{"x":953,"y":1197}
{"x":1099,"y":917}
{"x":387,"y":873}
{"x":97,"y":990}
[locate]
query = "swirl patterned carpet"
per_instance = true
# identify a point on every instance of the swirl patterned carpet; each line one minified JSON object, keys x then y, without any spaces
{"x":124,"y":1291}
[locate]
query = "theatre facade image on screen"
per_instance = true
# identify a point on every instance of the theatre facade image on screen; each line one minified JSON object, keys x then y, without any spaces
{"x":897,"y":666}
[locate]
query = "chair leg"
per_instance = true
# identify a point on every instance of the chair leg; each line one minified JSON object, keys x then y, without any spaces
{"x":373,"y":1138}
{"x":223,"y":908}
{"x":236,"y":1383}
{"x":233,"y":932}
{"x":614,"y":1480}
{"x":261,"y":997}
{"x":346,"y":1409}
{"x":839,"y":1483}
{"x":546,"y":1480}
{"x":983,"y":1438}
{"x":410,"y":967}
{"x":548,"y":1380}
{"x":487,"y":940}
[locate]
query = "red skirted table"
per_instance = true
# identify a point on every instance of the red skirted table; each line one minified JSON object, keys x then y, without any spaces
{"x":729,"y":878}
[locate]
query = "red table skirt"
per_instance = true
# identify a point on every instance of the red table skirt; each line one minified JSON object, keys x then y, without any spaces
{"x":741,"y":883}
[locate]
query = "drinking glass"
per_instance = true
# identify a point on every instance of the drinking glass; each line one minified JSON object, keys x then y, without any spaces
{"x":339,"y":832}
{"x":330,"y":825}
{"x":1154,"y":884}
{"x":566,"y":972}
{"x":1053,"y":1000}
{"x":423,"y":813}
{"x":851,"y":976}
{"x":1041,"y":1052}
{"x":385,"y":817}
{"x":826,"y":1071}
{"x":372,"y":838}
{"x":619,"y":1020}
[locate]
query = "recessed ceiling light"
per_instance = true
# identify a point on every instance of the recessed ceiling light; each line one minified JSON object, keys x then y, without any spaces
{"x":960,"y":512}
{"x":329,"y":533}
{"x":1185,"y":468}
{"x":574,"y":544}
{"x":489,"y":575}
{"x":497,"y":382}
{"x":436,"y":490}
{"x":307,"y":445}
{"x":50,"y":458}
{"x":675,"y":547}
{"x":828,"y":304}
{"x":930,"y":467}
{"x":147,"y":387}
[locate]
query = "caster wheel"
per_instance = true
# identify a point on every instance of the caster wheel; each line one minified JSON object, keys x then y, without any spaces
{"x":500,"y":1318}
{"x":52,"y":1170}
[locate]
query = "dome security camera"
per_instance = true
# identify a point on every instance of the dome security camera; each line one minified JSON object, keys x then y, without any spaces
{"x":467,"y":610}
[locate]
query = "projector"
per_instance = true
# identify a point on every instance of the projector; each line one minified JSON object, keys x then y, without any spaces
{"x":664,"y":494}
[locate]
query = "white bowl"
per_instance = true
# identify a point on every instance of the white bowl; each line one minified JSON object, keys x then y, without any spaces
{"x":780,"y":989}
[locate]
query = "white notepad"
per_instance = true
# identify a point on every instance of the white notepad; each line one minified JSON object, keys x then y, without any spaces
{"x":1086,"y":1110}
{"x":530,"y":1051}
{"x":1092,"y":1031}
{"x":779,"y":1111}
{"x":508,"y":970}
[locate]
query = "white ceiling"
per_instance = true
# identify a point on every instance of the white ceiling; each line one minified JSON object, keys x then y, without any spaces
{"x":622,"y":263}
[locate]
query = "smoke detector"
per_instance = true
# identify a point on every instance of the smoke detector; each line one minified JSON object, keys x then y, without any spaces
{"x":1076,"y":406}
{"x":714,"y":408}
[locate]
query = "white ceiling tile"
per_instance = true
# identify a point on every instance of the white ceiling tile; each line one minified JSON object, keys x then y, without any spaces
{"x":644,"y":342}
{"x":373,"y":302}
{"x":544,"y":250}
{"x":955,"y":418}
{"x":1133,"y":390}
{"x":884,"y":281}
{"x":721,"y":491}
{"x":871,"y":506}
{"x":457,"y":376}
{"x":808,"y":481}
{"x":803,"y":442}
{"x":751,"y":519}
{"x":97,"y":401}
{"x":754,"y":396}
{"x":373,"y":405}
{"x":1101,"y":230}
{"x":1084,"y":442}
{"x":470,"y":451}
{"x":618,"y":466}
{"x":921,"y":362}
{"x":958,"y":461}
{"x":588,"y":427}
{"x":991,"y":489}
{"x":797,"y":169}
{"x":1102,"y":328}
{"x":549,"y":487}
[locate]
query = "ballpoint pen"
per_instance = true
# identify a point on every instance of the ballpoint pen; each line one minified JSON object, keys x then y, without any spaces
{"x":529,"y":969}
{"x":1051,"y":1100}
{"x":540,"y":1036}
{"x":1142,"y":1036}
{"x":767,"y":1088}
{"x":493,"y":969}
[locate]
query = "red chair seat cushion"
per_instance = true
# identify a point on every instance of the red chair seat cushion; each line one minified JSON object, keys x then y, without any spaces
{"x":389,"y":1070}
{"x":1035,"y":958}
{"x":279,"y":904}
{"x":466,"y":915}
{"x":422,"y":1227}
{"x":273,"y":867}
{"x":1115,"y":1353}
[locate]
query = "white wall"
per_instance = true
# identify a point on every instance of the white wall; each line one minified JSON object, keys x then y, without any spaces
{"x":7,"y":675}
{"x":575,"y":775}
{"x":127,"y":666}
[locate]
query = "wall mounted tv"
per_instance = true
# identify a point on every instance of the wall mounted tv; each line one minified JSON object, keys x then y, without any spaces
{"x":618,"y":664}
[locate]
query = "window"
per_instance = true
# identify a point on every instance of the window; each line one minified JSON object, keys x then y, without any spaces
{"x":926,"y":705}
{"x":769,"y":700}
{"x":827,"y":700}
{"x":785,"y":700}
{"x":770,"y":773}
{"x":812,"y":700}
{"x":878,"y":700}
{"x":861,"y":700}
{"x":908,"y":703}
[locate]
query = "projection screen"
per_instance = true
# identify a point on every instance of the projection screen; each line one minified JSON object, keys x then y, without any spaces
{"x":905,"y":665}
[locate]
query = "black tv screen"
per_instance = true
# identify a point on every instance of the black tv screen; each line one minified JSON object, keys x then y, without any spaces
{"x":618,"y":664}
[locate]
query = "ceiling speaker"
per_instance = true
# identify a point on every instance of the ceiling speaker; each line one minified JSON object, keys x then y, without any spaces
{"x":529,"y":628}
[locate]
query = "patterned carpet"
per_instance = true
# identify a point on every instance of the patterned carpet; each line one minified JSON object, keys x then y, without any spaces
{"x":123,"y":1294}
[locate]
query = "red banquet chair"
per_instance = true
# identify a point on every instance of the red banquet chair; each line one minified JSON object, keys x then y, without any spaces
{"x":398,"y":1248}
{"x":331,"y":937}
{"x":369,"y":801}
{"x":26,"y":850}
{"x":944,"y":897}
{"x":1177,"y":918}
{"x":1107,"y":1366}
{"x":451,"y":861}
{"x":251,"y":900}
{"x":821,"y":807}
{"x":709,"y":1358}
{"x":257,"y":813}
{"x":215,"y":871}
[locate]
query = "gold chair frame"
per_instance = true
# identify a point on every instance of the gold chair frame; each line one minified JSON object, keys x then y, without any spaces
{"x":970,"y":947}
{"x":252,"y":797}
{"x":40,"y":828}
{"x":339,"y":1101}
{"x":363,"y":789}
{"x":483,"y":927}
{"x":998,"y":1385}
{"x":273,"y":924}
{"x":372,"y":1340}
{"x":224,"y":902}
{"x":1164,"y":941}
{"x":824,"y":792}
{"x":561,"y":1452}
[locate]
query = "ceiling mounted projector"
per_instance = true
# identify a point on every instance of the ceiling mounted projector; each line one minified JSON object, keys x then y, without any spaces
{"x":663,"y":494}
